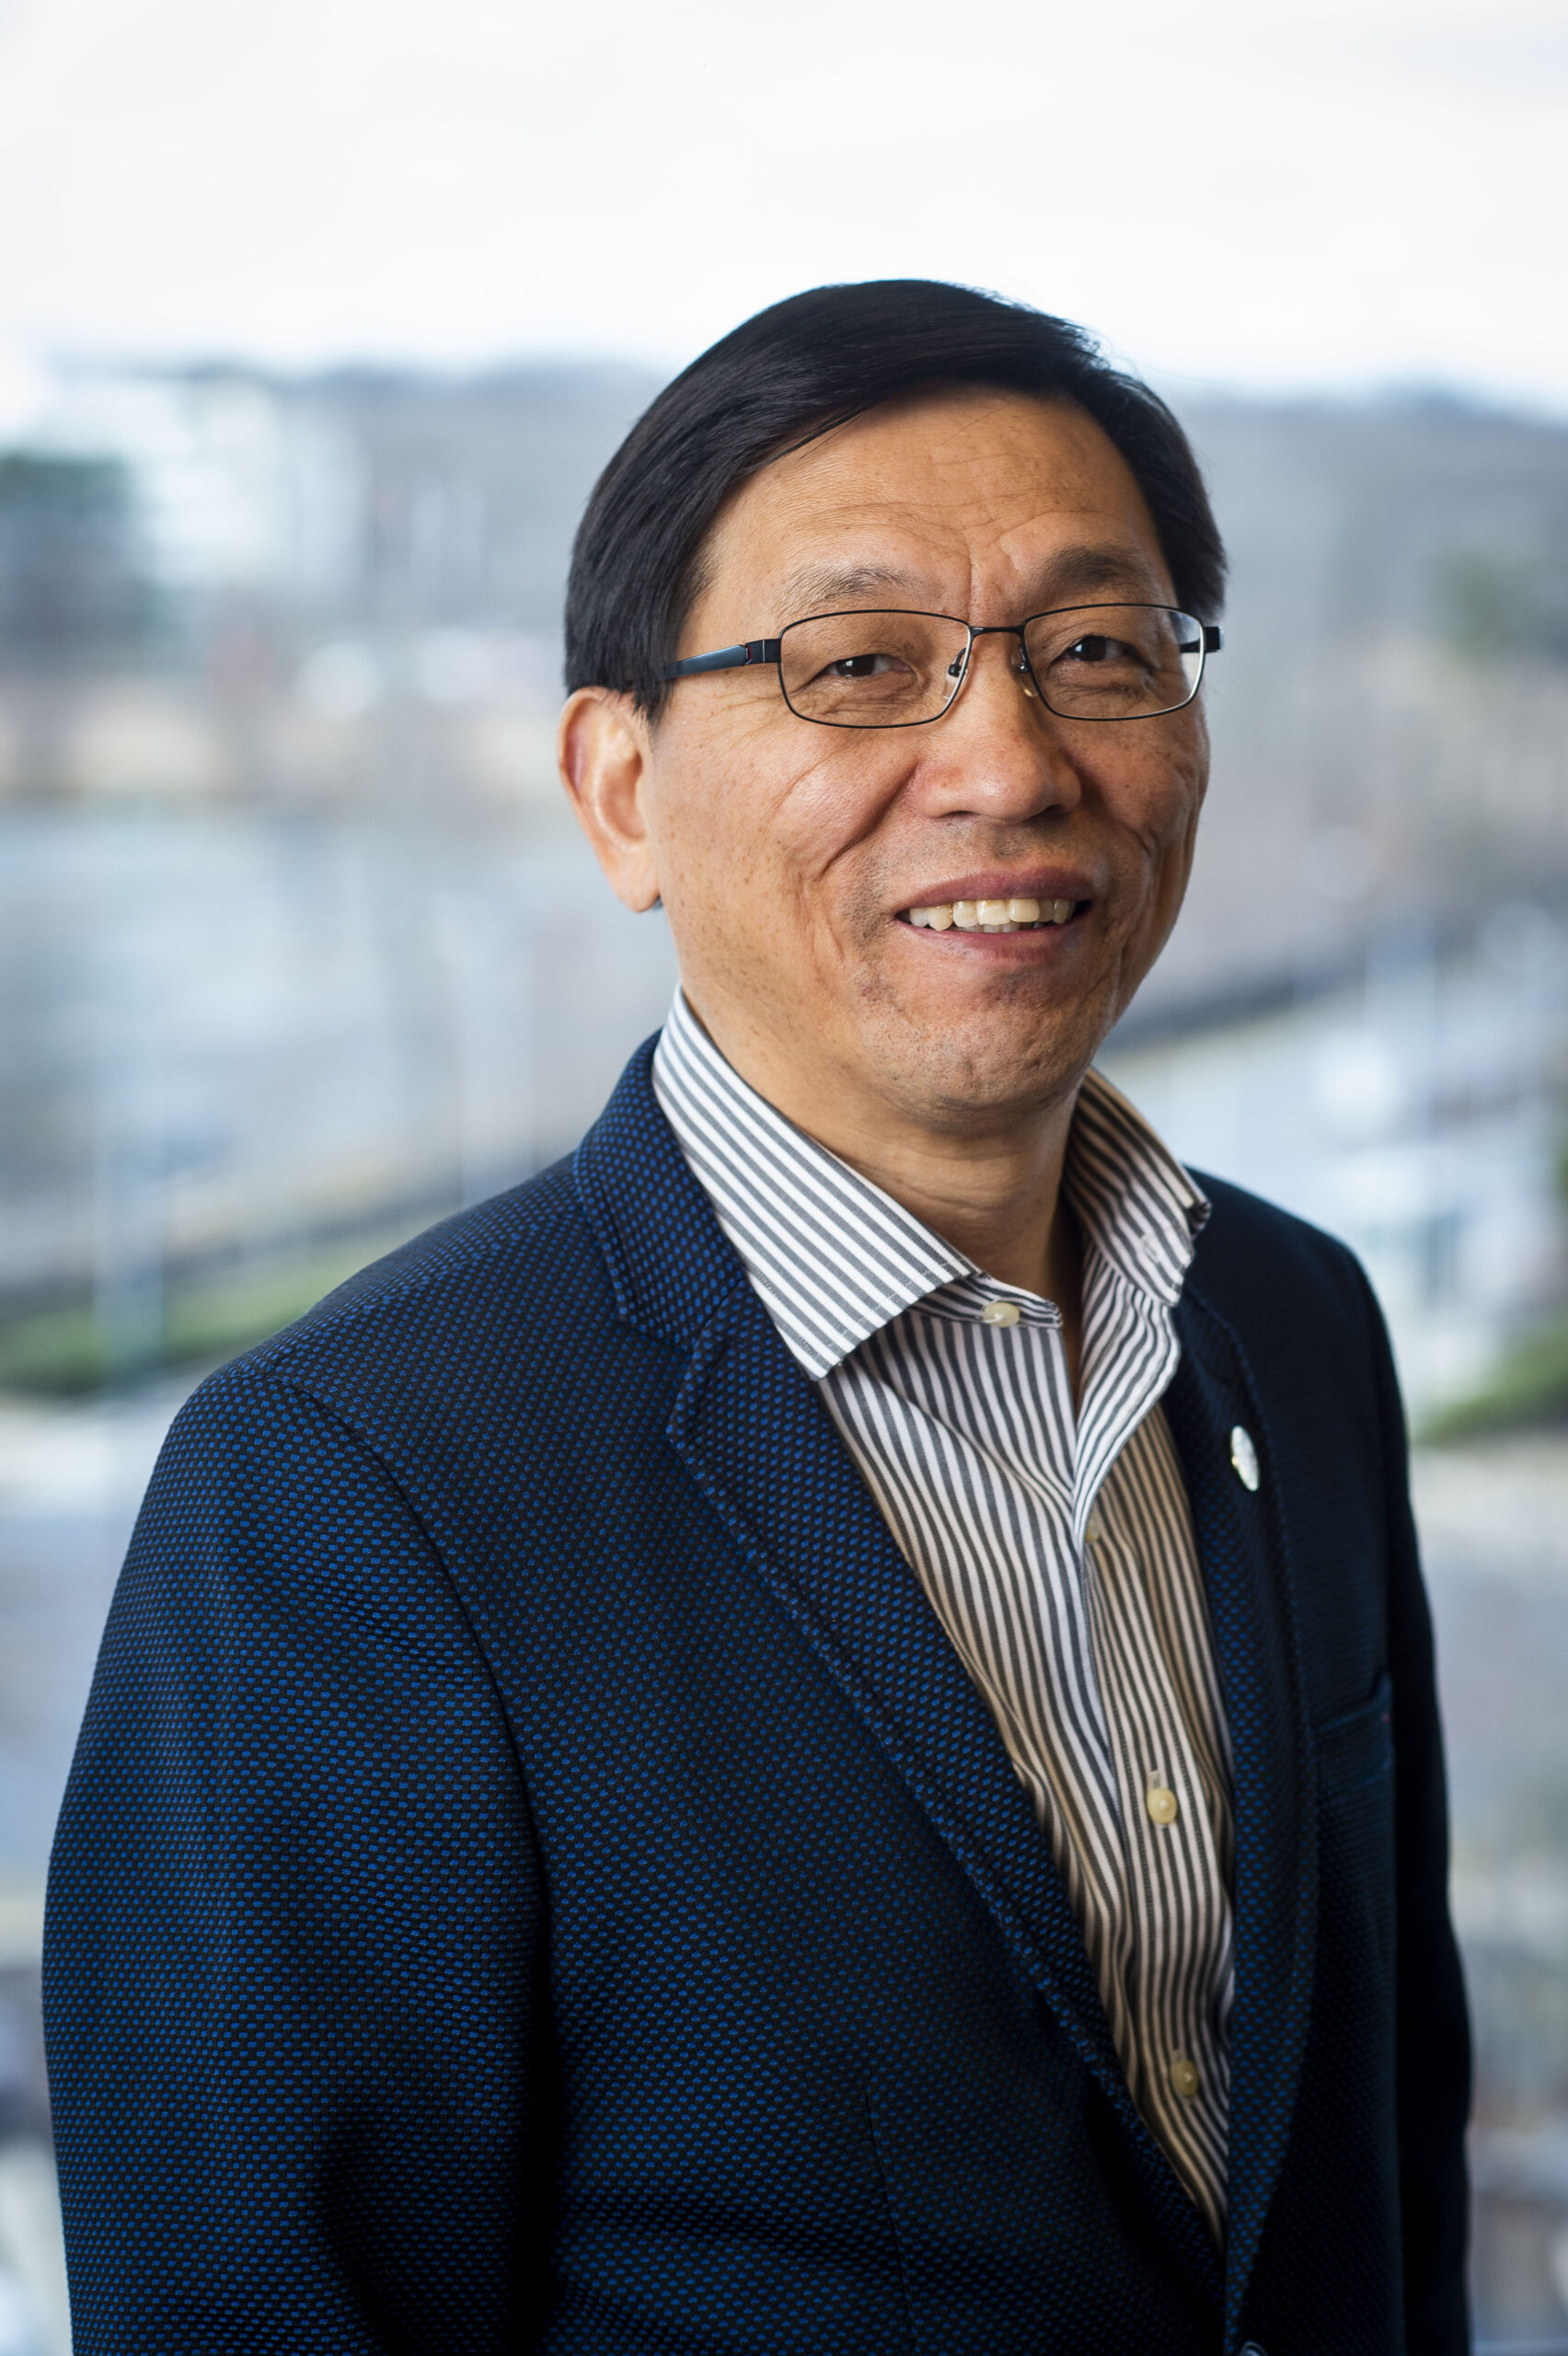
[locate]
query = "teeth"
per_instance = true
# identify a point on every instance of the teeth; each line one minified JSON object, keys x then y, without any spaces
{"x":992,"y":916}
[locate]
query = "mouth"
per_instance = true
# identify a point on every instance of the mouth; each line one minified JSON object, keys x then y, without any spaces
{"x":992,"y":916}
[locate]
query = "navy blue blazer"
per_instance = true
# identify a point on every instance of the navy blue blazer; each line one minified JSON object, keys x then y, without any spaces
{"x":535,"y":1876}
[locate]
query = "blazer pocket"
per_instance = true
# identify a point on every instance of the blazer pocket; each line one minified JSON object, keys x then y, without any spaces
{"x":1356,"y":1749}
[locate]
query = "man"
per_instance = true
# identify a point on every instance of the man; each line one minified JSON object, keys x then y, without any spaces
{"x":815,"y":1731}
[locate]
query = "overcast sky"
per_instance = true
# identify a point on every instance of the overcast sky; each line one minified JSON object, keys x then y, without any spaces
{"x":1264,"y":192}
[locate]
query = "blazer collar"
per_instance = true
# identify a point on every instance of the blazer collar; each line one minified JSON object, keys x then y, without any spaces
{"x":669,"y":1266}
{"x":1244,"y":1553}
{"x":759,"y":1443}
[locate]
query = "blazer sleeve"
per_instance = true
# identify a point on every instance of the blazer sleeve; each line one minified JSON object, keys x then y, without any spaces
{"x":1433,"y":2056}
{"x":292,"y":1950}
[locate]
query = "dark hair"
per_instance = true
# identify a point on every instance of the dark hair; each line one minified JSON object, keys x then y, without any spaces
{"x":793,"y":372}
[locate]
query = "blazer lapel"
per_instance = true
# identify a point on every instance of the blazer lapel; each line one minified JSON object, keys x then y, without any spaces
{"x":760,"y":1445}
{"x":1241,"y":1547}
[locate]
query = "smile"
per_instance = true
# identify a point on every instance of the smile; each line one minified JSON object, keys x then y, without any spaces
{"x":992,"y":916}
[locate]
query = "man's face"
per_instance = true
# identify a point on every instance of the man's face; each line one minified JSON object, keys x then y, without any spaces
{"x":787,"y":855}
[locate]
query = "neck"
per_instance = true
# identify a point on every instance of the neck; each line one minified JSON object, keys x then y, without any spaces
{"x":992,"y":1190}
{"x":997,"y":1200}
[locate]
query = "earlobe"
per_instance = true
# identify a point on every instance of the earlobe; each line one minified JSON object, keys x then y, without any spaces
{"x":603,"y":749}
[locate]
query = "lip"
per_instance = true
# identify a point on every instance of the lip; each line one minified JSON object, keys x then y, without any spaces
{"x":1033,"y":884}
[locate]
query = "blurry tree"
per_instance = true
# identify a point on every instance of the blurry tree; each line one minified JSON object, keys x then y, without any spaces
{"x":1494,"y":606}
{"x":70,"y":589}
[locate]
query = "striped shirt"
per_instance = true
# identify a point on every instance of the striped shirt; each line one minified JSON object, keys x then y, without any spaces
{"x":1054,"y":1544}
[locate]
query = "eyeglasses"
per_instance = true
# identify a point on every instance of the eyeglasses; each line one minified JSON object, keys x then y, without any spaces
{"x":899,"y":670}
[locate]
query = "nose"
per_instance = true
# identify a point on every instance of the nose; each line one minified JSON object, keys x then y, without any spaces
{"x":997,"y":751}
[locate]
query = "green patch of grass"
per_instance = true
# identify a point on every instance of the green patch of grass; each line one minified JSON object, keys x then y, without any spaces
{"x":1530,"y":1387}
{"x":52,"y":1349}
{"x":66,"y":1350}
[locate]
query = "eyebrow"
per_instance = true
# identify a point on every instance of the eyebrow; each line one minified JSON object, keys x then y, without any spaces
{"x":819,"y":587}
{"x":1074,"y":572}
{"x":1070,"y":574}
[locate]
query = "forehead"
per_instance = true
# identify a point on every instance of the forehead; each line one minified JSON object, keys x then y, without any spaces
{"x":988,"y":492}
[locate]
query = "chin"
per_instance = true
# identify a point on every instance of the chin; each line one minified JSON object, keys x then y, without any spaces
{"x":988,"y":1065}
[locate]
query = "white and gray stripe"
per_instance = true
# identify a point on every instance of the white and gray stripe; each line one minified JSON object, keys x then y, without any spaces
{"x":1054,"y":1543}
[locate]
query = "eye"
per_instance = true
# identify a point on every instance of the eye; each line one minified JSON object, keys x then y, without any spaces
{"x":861,"y":666}
{"x":1098,"y":649}
{"x":869,"y":670}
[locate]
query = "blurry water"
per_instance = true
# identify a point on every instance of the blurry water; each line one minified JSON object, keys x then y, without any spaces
{"x":230,"y":1031}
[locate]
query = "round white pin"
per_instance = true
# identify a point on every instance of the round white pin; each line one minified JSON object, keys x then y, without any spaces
{"x":1244,"y":1457}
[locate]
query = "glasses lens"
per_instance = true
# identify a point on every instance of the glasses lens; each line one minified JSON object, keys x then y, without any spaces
{"x":1116,"y":662}
{"x":876,"y":670}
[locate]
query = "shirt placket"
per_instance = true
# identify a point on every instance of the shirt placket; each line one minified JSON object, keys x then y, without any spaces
{"x":1174,"y":2063}
{"x":1176,"y":2067}
{"x":1078,"y":1813}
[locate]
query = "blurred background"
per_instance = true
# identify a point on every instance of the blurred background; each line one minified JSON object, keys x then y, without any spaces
{"x":316,"y":322}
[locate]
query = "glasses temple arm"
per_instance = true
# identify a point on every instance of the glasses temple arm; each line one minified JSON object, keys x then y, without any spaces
{"x":728,"y":658}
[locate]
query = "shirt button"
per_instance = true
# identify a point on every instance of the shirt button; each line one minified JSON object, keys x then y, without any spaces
{"x":1095,"y":1533}
{"x":1244,"y":1457}
{"x":1162,"y":1804}
{"x":1184,"y":2076}
{"x":999,"y":1312}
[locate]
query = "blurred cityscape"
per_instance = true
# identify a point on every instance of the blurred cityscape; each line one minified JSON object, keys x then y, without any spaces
{"x":299,"y":949}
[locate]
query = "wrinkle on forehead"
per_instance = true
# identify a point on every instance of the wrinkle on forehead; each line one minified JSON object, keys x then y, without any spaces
{"x":1073,"y":575}
{"x":819,"y":584}
{"x":955,"y":499}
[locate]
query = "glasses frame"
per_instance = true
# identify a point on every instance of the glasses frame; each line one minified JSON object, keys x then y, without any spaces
{"x":753,"y":651}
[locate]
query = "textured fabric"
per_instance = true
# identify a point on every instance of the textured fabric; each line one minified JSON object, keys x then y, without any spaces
{"x":535,"y":1876}
{"x":1054,"y":1542}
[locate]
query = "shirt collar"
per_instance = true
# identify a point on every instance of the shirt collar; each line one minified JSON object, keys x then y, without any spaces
{"x":833,"y":1259}
{"x":1140,"y":1210}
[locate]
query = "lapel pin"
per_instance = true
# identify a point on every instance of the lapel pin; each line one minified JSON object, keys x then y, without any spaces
{"x":1244,"y":1457}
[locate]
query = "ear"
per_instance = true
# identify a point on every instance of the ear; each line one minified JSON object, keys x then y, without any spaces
{"x":604,"y":750}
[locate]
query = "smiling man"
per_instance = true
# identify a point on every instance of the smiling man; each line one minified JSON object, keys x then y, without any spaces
{"x":816,"y":1731}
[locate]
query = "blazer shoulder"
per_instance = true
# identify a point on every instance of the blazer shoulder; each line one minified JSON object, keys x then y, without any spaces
{"x":1254,"y":1260}
{"x":521,"y":1258}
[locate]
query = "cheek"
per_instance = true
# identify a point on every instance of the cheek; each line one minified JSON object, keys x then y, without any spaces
{"x":748,"y":799}
{"x":710,"y":804}
{"x":1157,"y":802}
{"x":830,"y":809}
